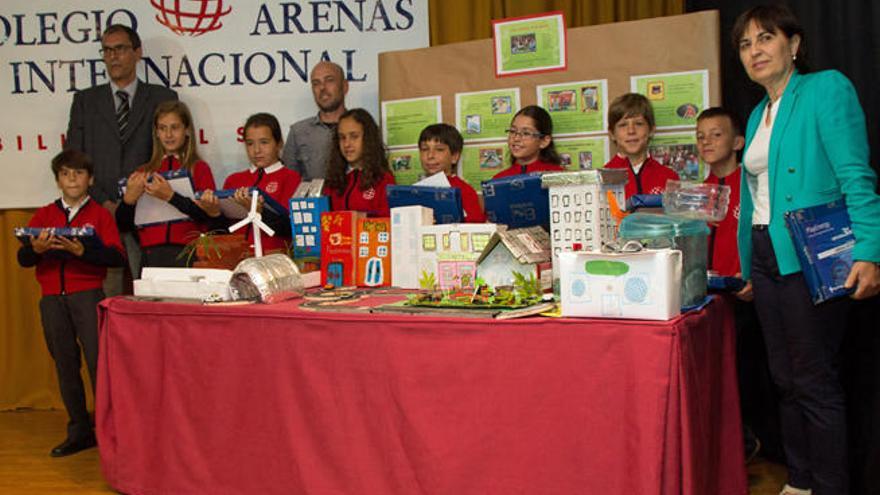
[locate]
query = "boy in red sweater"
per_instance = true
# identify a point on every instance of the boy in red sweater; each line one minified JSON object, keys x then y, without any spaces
{"x":631,"y":125}
{"x":440,"y":148}
{"x":71,"y":275}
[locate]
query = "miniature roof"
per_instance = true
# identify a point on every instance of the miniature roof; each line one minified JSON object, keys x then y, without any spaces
{"x":527,"y":245}
{"x":585,"y":177}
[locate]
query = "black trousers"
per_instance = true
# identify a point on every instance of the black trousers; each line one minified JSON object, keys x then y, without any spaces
{"x":71,"y":321}
{"x":803,"y":343}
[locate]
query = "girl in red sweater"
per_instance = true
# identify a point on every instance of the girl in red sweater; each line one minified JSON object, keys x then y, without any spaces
{"x":174,"y":148}
{"x":530,"y":139}
{"x":358,"y":171}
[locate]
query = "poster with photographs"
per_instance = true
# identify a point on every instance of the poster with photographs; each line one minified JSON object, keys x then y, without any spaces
{"x":576,"y":107}
{"x":405,"y":165}
{"x":485,"y":115}
{"x":403,"y":120}
{"x":677,"y":97}
{"x":481,"y":161}
{"x":678,"y":151}
{"x":583,"y":153}
{"x":530,"y":44}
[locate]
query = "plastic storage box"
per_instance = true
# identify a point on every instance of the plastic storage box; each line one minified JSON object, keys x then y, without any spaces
{"x":707,"y":202}
{"x":688,"y":236}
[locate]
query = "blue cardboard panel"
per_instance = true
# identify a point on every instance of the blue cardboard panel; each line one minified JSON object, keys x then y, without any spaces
{"x":305,"y":224}
{"x":517,"y":201}
{"x":445,"y":201}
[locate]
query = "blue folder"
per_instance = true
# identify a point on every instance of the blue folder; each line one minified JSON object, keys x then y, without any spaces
{"x":234,"y":211}
{"x":445,"y":201}
{"x":823,"y":239}
{"x":517,"y":201}
{"x":86,"y":235}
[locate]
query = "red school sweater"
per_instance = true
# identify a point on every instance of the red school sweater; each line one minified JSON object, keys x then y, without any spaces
{"x":63,"y":273}
{"x":535,"y":166}
{"x":723,"y":252}
{"x":652,"y":176}
{"x":373,"y":201}
{"x":470,"y":202}
{"x":279,"y":183}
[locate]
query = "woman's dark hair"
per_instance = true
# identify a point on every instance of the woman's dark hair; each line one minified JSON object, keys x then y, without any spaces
{"x":544,"y":125}
{"x":265,"y":120}
{"x":773,"y":19}
{"x":374,"y":159}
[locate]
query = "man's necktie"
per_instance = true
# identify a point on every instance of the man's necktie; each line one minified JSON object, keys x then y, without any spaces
{"x":122,"y":111}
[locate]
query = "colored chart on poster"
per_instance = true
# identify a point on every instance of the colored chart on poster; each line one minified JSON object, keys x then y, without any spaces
{"x":403,"y":120}
{"x":485,"y":115}
{"x":529,"y":44}
{"x":678,"y":151}
{"x":405,"y":165}
{"x":482,"y":161}
{"x":576,"y":107}
{"x":583,"y":153}
{"x":677,"y":97}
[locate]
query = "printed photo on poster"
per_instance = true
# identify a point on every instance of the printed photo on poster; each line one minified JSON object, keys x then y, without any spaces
{"x":576,"y":107}
{"x":529,"y":44}
{"x":679,"y":152}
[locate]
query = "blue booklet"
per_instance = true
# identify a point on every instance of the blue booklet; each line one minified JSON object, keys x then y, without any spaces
{"x":824,"y":240}
{"x":234,"y":211}
{"x":445,"y":201}
{"x":725,"y":284}
{"x":517,"y":201}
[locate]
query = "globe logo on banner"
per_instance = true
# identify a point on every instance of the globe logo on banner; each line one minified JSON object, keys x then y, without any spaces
{"x":190,"y":17}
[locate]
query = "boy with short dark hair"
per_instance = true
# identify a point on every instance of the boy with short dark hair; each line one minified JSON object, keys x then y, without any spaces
{"x":719,"y":138}
{"x":440,"y":148}
{"x":631,"y":126}
{"x":71,"y":276}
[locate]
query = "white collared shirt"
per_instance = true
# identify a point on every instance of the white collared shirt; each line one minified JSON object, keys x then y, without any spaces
{"x":268,"y":170}
{"x":636,"y":166}
{"x":72,"y":210}
{"x":131,"y":89}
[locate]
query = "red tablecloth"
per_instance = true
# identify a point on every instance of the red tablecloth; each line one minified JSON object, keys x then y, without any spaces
{"x":273,"y":399}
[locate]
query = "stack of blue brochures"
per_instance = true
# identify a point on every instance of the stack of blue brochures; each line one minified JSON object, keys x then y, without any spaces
{"x":517,"y":201}
{"x":824,"y":240}
{"x":445,"y":201}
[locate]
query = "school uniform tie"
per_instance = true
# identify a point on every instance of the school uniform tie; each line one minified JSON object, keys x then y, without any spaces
{"x":122,"y":111}
{"x":260,"y":174}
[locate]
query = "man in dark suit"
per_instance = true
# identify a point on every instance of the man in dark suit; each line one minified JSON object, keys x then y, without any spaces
{"x":112,"y":122}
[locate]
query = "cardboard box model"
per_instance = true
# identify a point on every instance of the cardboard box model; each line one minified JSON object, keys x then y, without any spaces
{"x":643,"y":285}
{"x":184,"y":283}
{"x":448,"y":253}
{"x":374,"y":252}
{"x":339,"y":247}
{"x":580,"y":219}
{"x":305,"y":224}
{"x":406,"y":222}
{"x":525,"y":251}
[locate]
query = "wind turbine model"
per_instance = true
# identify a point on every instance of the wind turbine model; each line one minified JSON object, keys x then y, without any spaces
{"x":256,"y":220}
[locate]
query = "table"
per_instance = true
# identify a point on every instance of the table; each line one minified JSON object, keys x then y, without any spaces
{"x":276,"y":399}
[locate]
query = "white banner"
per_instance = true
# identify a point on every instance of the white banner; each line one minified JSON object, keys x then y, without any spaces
{"x":226,"y":59}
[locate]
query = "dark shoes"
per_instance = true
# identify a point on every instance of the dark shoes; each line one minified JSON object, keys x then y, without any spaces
{"x":70,"y":447}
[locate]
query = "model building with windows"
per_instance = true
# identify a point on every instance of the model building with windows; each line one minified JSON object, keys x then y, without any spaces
{"x":580,"y":216}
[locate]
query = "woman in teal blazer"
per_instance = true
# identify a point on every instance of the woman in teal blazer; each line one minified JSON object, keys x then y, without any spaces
{"x":806,"y":145}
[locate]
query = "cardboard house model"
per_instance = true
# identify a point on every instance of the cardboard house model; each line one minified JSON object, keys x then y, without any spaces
{"x":580,"y":218}
{"x":374,"y":252}
{"x":525,"y":251}
{"x":405,"y":240}
{"x":448,"y":253}
{"x":339,"y":247}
